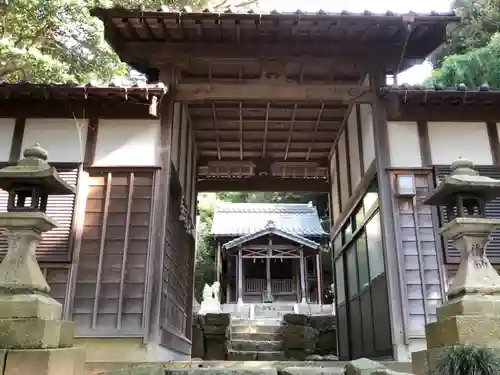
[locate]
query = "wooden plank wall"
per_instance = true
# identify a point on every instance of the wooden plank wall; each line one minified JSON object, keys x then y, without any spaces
{"x":179,"y":253}
{"x":420,"y":255}
{"x":116,"y":229}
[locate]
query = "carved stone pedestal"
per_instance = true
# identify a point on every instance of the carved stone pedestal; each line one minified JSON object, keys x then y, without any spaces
{"x":33,"y":338}
{"x":472,"y":314}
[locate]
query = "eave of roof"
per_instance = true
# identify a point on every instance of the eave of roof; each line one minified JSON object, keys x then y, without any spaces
{"x":72,"y":91}
{"x":266,"y":231}
{"x":384,"y":29}
{"x":165,"y":12}
{"x":427,"y":95}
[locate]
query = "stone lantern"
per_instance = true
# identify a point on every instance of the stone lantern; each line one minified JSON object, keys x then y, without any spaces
{"x":472,"y":313}
{"x":30,"y":320}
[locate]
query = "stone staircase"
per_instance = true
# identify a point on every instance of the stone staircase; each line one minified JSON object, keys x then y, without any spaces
{"x":230,"y":368}
{"x":256,"y":340}
{"x":259,"y":338}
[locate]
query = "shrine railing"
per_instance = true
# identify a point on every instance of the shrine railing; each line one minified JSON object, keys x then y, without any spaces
{"x":278,"y":286}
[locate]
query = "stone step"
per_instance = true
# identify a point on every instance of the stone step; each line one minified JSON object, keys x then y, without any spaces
{"x":259,"y":321}
{"x":255,"y":355}
{"x":256,"y":336}
{"x":244,"y":328}
{"x":222,"y":371}
{"x":250,"y":367}
{"x":256,"y":345}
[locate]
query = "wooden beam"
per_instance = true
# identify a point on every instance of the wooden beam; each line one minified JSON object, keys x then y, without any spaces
{"x":41,"y":108}
{"x":355,"y":54}
{"x":258,"y":124}
{"x":17,"y":140}
{"x":270,"y":135}
{"x":263,"y":162}
{"x":189,"y":92}
{"x":263,"y":184}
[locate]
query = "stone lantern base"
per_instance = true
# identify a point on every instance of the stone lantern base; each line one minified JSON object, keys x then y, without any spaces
{"x":33,"y":338}
{"x":472,"y":314}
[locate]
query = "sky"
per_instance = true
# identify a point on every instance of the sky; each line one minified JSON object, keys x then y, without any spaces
{"x":416,"y":74}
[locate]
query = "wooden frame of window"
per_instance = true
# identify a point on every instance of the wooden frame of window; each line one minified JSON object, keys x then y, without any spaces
{"x":355,"y":315}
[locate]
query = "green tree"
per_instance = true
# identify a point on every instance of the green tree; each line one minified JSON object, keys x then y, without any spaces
{"x":59,"y":41}
{"x":471,"y":53}
{"x":480,"y":21}
{"x":473,"y":68}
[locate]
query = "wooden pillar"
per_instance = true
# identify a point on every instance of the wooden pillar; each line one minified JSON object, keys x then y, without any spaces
{"x":240,"y":276}
{"x":218,"y":264}
{"x":319,"y":277}
{"x":393,"y":264}
{"x":302,"y":277}
{"x":229,"y":279}
{"x":268,"y":274}
{"x":296,"y":270}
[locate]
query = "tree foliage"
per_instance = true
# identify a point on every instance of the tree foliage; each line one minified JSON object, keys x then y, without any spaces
{"x":472,"y":51}
{"x":59,"y":41}
{"x":480,"y":21}
{"x":473,"y":68}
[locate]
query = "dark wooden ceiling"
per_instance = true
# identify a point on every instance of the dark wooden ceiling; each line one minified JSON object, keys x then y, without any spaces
{"x":282,"y":131}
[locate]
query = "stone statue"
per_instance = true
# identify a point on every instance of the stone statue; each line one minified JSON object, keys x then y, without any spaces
{"x":215,"y":290}
{"x":210,"y":304}
{"x":207,"y":292}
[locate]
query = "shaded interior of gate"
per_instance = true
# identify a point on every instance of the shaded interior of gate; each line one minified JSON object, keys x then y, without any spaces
{"x":267,"y":97}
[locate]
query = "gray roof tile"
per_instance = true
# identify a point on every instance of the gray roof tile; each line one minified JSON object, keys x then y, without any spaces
{"x":237,"y":219}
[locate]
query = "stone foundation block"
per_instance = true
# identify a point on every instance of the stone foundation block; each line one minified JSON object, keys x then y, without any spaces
{"x":299,"y":337}
{"x":217,"y":330}
{"x":29,"y":306}
{"x":66,"y":361}
{"x":486,"y":306}
{"x":29,"y":333}
{"x":222,"y":319}
{"x":465,"y":329}
{"x":67,"y":335}
{"x":216,"y":348}
{"x":363,"y":366}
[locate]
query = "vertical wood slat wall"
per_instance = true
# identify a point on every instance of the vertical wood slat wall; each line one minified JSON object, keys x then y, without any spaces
{"x":178,"y":256}
{"x":56,"y":244}
{"x":420,"y":261}
{"x":111,"y":283}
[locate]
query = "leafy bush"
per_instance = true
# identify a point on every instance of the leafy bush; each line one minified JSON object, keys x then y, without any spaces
{"x":468,"y":360}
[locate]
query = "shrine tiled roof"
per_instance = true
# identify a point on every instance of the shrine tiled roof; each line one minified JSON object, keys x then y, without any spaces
{"x":164,"y":9}
{"x":271,"y":229}
{"x":238,"y":219}
{"x":437,"y":94}
{"x":70,"y":90}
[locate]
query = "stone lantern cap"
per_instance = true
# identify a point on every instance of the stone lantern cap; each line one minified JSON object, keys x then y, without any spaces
{"x":463,"y":180}
{"x":34,"y":170}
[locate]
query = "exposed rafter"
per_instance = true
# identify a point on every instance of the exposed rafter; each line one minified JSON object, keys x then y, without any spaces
{"x":320,"y":113}
{"x":290,"y":130}
{"x":266,"y":121}
{"x":214,"y":118}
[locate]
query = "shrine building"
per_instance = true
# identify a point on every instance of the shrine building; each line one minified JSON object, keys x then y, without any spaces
{"x":252,"y":102}
{"x":268,"y":253}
